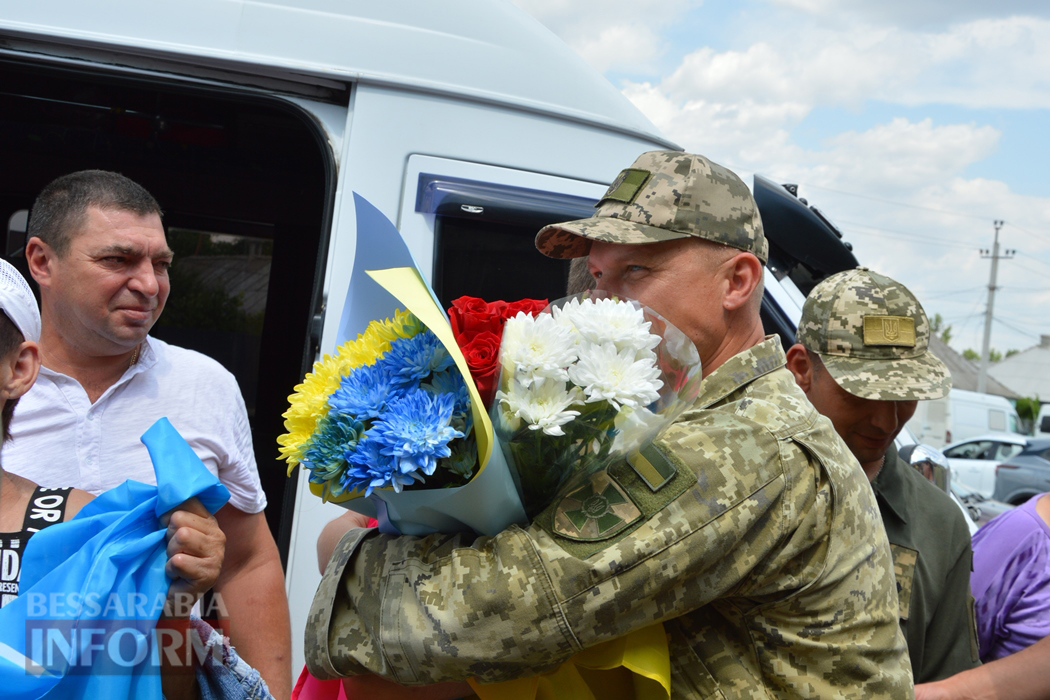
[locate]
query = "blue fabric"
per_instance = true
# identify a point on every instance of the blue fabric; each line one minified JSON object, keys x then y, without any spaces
{"x":103,"y":570}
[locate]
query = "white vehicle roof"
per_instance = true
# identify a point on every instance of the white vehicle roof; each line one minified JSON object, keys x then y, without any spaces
{"x":997,"y":437}
{"x":486,"y":49}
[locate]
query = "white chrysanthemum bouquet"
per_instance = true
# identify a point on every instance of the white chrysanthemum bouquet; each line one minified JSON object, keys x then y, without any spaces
{"x":588,"y":381}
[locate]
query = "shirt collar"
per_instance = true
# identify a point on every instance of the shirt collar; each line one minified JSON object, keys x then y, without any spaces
{"x":889,"y":486}
{"x":147,"y":358}
{"x":742,"y":368}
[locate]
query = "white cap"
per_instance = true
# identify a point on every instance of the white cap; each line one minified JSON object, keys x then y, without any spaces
{"x":18,"y":302}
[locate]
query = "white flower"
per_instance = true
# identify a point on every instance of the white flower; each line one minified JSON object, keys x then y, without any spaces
{"x":634,"y":427}
{"x":608,"y":320}
{"x":537,"y":348}
{"x":543,"y":405}
{"x":608,"y":374}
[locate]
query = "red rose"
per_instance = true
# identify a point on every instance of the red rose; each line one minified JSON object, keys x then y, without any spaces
{"x":528,"y":306}
{"x":470,"y":316}
{"x":482,"y":355}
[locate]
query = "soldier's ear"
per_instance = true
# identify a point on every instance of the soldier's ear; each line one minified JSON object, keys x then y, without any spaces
{"x":743,"y":277}
{"x":800,"y":367}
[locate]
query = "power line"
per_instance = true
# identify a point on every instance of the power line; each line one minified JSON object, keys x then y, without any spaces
{"x":881,"y":200}
{"x":1030,"y":233}
{"x":920,"y":239}
{"x":1016,"y":329}
{"x":1034,"y":272}
{"x":899,"y":204}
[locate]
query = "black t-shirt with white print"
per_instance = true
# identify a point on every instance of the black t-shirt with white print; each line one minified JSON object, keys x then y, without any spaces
{"x":46,"y":507}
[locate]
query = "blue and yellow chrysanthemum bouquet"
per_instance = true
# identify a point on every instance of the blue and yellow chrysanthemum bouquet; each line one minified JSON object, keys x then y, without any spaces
{"x":390,"y":424}
{"x":386,"y":411}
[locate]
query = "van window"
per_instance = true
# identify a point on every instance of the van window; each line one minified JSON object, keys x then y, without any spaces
{"x":996,"y":420}
{"x":245,"y":183}
{"x":483,"y":238}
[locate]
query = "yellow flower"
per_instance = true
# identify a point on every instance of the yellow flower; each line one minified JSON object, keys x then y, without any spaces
{"x":309,"y":403}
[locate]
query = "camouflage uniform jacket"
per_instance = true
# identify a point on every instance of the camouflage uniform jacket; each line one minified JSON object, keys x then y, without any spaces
{"x":932,"y":559}
{"x":749,"y":531}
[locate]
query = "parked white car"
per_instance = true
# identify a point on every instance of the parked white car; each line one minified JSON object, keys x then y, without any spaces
{"x":973,"y":460}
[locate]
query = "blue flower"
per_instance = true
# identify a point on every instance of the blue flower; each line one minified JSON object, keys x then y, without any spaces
{"x":412,"y":360}
{"x":370,"y":469}
{"x":451,"y":382}
{"x":364,"y":392}
{"x":415,"y":431}
{"x":326,"y":452}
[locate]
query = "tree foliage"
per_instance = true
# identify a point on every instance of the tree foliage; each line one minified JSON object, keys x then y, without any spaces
{"x":939,"y":329}
{"x":993,"y":355}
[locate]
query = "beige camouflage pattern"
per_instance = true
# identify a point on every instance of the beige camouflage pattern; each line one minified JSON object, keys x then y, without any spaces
{"x":770,"y":571}
{"x":663,"y":196}
{"x":873,"y":337}
{"x":904,"y":561}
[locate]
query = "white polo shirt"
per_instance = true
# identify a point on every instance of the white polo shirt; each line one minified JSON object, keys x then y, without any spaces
{"x":59,"y":438}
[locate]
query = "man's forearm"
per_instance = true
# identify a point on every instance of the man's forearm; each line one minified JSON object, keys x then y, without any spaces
{"x":259,"y":624}
{"x":251,"y":586}
{"x":1015,"y":677}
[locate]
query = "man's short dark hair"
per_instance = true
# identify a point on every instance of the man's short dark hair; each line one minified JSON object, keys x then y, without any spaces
{"x":10,"y":339}
{"x":60,"y":207}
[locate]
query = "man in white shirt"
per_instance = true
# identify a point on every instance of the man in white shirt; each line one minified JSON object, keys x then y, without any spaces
{"x":98,"y":250}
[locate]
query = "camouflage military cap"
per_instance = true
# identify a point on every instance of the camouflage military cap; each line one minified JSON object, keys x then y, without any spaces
{"x":873,"y":338}
{"x":663,"y":196}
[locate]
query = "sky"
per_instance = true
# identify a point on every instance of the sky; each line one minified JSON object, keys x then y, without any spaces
{"x":913,"y":125}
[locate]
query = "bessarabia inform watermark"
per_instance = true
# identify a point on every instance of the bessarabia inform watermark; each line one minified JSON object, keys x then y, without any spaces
{"x":119,"y":634}
{"x":117,"y":605}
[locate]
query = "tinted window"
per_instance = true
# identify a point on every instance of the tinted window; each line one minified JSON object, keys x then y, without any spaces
{"x":982,"y":449}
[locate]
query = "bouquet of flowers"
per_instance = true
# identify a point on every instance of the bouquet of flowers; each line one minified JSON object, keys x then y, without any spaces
{"x":386,"y":411}
{"x":589,"y":381}
{"x":390,"y":424}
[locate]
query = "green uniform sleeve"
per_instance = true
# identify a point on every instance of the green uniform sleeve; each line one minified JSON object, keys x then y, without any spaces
{"x":951,"y":636}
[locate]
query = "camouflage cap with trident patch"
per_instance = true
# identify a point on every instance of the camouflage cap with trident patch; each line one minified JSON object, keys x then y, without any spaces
{"x":663,"y":196}
{"x":873,"y":337}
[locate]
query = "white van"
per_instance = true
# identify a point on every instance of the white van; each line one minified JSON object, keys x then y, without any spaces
{"x":960,"y":415}
{"x":468,"y":124}
{"x":1042,"y":421}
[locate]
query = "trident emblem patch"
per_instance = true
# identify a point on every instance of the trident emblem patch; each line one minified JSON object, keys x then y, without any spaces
{"x":889,"y":330}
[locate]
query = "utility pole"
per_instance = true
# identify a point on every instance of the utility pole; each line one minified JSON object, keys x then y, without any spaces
{"x":982,"y":376}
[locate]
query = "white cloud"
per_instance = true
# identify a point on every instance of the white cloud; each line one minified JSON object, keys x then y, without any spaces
{"x":611,"y":35}
{"x":909,"y":13}
{"x":621,"y":47}
{"x":900,"y":156}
